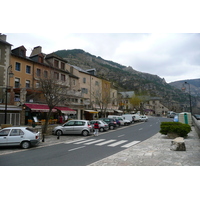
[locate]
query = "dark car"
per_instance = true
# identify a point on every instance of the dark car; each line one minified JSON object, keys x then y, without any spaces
{"x":197,"y":116}
{"x":111,"y":122}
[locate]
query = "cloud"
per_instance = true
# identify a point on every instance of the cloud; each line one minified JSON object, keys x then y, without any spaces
{"x":170,"y":56}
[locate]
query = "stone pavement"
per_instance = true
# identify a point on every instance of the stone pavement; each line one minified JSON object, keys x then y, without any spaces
{"x":155,"y":151}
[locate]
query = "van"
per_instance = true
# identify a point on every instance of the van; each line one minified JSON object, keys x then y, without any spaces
{"x":132,"y":117}
{"x":121,"y":119}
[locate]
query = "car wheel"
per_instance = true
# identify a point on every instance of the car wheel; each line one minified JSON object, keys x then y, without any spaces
{"x":111,"y":127}
{"x":25,"y":145}
{"x":101,"y":129}
{"x":85,"y":133}
{"x":59,"y":133}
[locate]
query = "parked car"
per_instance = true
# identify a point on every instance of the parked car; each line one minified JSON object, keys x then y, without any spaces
{"x":143,"y":118}
{"x":120,"y":118}
{"x":74,"y":127}
{"x":132,"y":117}
{"x":19,"y":136}
{"x":111,"y":122}
{"x":103,"y":126}
{"x":197,"y":116}
{"x":171,"y":114}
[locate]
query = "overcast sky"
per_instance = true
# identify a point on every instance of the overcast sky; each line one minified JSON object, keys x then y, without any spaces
{"x":170,"y":56}
{"x":150,"y":36}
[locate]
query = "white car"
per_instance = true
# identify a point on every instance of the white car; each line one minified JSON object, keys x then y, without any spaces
{"x":143,"y":118}
{"x":121,"y":119}
{"x":19,"y":136}
{"x":74,"y":127}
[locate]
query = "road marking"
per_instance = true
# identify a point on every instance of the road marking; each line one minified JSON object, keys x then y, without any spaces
{"x":120,"y":135}
{"x":117,"y":143}
{"x":83,"y":141}
{"x":76,"y":148}
{"x":96,"y":141}
{"x":106,"y":142}
{"x":140,"y":129}
{"x":74,"y":141}
{"x":130,"y":144}
{"x":151,"y":125}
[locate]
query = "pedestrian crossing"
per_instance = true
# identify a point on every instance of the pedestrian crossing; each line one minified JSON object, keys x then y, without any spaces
{"x":102,"y":142}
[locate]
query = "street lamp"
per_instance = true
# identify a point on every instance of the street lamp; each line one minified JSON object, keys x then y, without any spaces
{"x":183,"y":88}
{"x":9,"y":75}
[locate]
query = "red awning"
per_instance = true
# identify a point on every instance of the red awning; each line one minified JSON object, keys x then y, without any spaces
{"x":39,"y":107}
{"x":66,"y":110}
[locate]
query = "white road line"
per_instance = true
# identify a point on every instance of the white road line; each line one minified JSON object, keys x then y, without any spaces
{"x":151,"y":125}
{"x":117,"y":143}
{"x":73,"y":141}
{"x":83,"y":141}
{"x":106,"y":142}
{"x":120,"y":135}
{"x":140,"y":129}
{"x":130,"y":144}
{"x":96,"y":141}
{"x":76,"y":148}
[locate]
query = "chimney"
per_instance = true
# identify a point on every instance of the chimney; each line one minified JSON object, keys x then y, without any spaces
{"x":3,"y":37}
{"x":37,"y":50}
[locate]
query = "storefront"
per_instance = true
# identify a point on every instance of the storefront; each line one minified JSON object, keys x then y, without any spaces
{"x":39,"y":112}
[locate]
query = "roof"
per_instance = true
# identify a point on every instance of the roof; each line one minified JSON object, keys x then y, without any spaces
{"x":6,"y":43}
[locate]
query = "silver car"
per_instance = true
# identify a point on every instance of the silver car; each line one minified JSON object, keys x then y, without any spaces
{"x":74,"y":127}
{"x":103,"y":126}
{"x":19,"y":136}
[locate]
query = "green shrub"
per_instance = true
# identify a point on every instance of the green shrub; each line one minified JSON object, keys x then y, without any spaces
{"x":175,"y":127}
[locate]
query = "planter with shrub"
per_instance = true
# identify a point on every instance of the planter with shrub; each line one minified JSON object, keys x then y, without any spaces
{"x":174,"y":129}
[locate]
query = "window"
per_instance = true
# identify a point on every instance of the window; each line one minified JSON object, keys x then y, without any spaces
{"x":45,"y":74}
{"x":17,"y":97}
{"x":62,"y":65}
{"x":79,"y":123}
{"x":38,"y":72}
{"x":96,"y":83}
{"x":17,"y":66}
{"x":4,"y":132}
{"x":56,"y":63}
{"x":37,"y":85}
{"x":84,"y":80}
{"x":16,"y":132}
{"x":56,"y":75}
{"x":74,"y":82}
{"x":17,"y":82}
{"x":62,"y":77}
{"x":28,"y":69}
{"x":84,"y":90}
{"x":28,"y":84}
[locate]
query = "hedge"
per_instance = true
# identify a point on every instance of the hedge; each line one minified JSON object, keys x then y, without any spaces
{"x":175,"y":127}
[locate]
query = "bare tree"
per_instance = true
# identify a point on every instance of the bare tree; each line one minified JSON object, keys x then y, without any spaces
{"x":55,"y":92}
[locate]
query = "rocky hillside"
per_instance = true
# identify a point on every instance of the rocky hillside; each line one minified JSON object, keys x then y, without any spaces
{"x":194,"y":86}
{"x":124,"y":78}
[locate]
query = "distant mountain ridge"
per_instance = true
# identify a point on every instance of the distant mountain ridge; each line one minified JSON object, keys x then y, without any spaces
{"x":194,"y":85}
{"x":125,"y":78}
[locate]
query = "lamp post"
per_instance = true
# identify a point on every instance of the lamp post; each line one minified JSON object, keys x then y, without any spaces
{"x":9,"y":75}
{"x":183,"y":88}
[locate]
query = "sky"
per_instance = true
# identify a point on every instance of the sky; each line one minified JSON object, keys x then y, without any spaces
{"x":172,"y":56}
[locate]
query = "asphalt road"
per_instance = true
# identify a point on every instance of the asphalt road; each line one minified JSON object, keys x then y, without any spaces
{"x":86,"y":150}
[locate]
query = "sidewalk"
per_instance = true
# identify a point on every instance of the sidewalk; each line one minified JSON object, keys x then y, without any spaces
{"x":155,"y":151}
